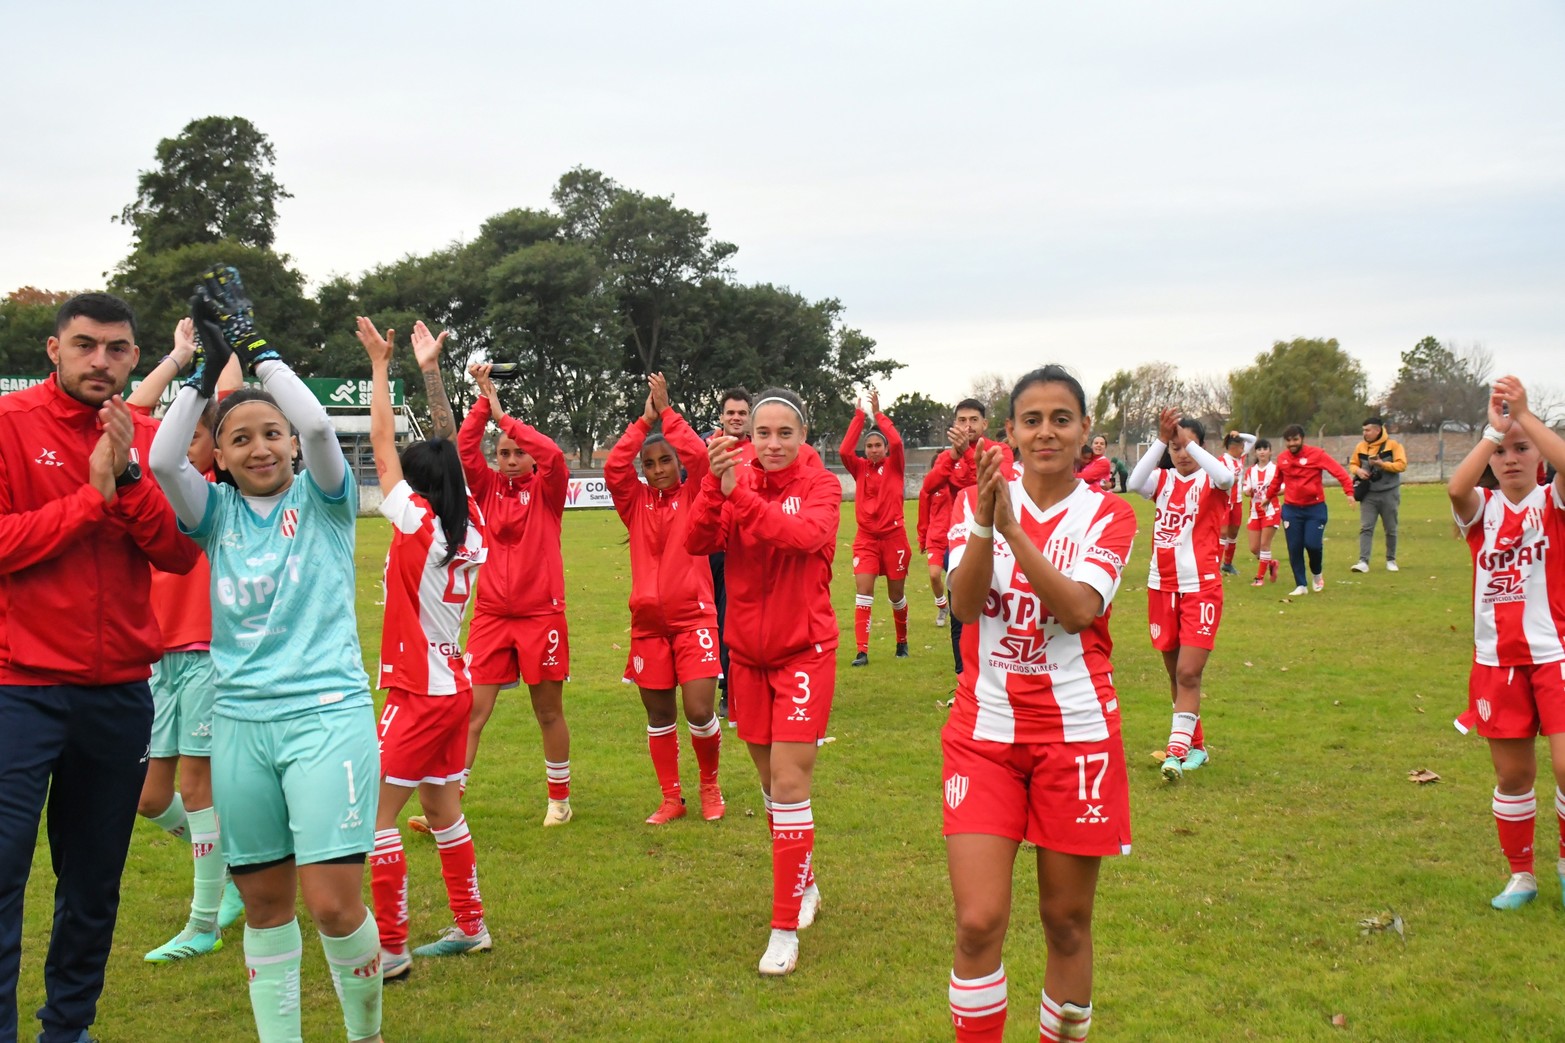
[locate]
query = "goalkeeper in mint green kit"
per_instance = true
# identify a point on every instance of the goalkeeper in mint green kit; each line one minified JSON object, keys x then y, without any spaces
{"x":295,"y":767}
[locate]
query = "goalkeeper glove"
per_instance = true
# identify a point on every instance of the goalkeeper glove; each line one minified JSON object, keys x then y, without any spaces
{"x":236,"y":315}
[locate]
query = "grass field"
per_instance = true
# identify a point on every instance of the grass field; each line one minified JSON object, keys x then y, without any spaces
{"x":1236,"y":916}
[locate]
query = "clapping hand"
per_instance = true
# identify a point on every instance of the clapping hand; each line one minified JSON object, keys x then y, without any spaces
{"x":427,"y":348}
{"x":378,"y":348}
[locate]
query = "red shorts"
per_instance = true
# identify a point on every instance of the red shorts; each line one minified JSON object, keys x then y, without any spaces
{"x":1176,"y":620}
{"x":1517,"y":702}
{"x":502,"y":648}
{"x":1235,"y":514}
{"x":936,"y":556}
{"x":1266,"y":518}
{"x":423,"y":738}
{"x":1072,"y":797}
{"x":882,"y":555}
{"x":661,"y":662}
{"x":786,"y":702}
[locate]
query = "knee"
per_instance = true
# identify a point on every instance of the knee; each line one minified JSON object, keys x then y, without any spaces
{"x":1067,"y":930}
{"x":1187,"y":678}
{"x":980,"y":930}
{"x":661,"y":717}
{"x":151,"y":805}
{"x":338,"y":915}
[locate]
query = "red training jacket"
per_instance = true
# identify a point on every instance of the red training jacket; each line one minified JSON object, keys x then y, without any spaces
{"x":1300,"y":474}
{"x":961,"y":473}
{"x":779,"y":530}
{"x":524,"y":574}
{"x":670,"y":589}
{"x":1098,"y":473}
{"x":877,"y":501}
{"x":934,"y":513}
{"x":183,"y":604}
{"x":74,"y":576}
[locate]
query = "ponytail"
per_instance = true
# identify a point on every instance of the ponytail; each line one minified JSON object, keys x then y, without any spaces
{"x":434,"y":471}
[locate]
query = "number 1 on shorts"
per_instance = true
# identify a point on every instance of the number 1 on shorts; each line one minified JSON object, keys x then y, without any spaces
{"x":1102,"y":760}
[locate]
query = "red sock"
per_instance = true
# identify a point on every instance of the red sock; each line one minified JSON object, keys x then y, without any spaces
{"x":558,"y":775}
{"x":1559,"y":813}
{"x":793,"y":848}
{"x":899,"y":613}
{"x":1516,"y":815}
{"x":664,"y":745}
{"x":707,"y":740}
{"x":1198,"y":737}
{"x":978,"y":1007}
{"x":459,"y":866}
{"x":766,"y":799}
{"x":1228,"y":551}
{"x":389,"y":889}
{"x":862,"y":605}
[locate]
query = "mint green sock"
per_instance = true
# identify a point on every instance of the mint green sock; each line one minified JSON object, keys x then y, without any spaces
{"x":355,"y":971}
{"x":173,"y":821}
{"x":272,"y":956}
{"x":208,"y":870}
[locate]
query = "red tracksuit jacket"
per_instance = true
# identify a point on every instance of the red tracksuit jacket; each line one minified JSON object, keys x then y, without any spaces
{"x":877,"y":500}
{"x":934,"y":513}
{"x":670,"y":589}
{"x":779,"y":530}
{"x":963,"y":473}
{"x":524,"y":574}
{"x":1301,"y":479}
{"x":74,"y":578}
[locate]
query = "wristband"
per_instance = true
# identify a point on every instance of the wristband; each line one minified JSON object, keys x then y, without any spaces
{"x":1493,"y":435}
{"x":170,"y":358}
{"x":983,"y":532}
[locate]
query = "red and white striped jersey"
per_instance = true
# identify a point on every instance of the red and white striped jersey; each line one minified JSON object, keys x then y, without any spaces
{"x":1518,"y":608}
{"x":421,"y":644}
{"x":1024,"y":679}
{"x":1263,"y":487}
{"x":1186,"y":532}
{"x":1236,"y":490}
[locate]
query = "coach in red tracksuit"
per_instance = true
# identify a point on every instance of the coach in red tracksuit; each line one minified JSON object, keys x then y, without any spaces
{"x":1299,"y":466}
{"x":79,"y":525}
{"x":673,"y":621}
{"x":880,"y":547}
{"x":777,"y":519}
{"x":518,"y":628}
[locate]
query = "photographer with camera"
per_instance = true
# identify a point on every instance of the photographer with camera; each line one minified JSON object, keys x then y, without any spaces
{"x":1377,"y":464}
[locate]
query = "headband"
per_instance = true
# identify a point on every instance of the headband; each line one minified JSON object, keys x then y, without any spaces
{"x":782,"y":401}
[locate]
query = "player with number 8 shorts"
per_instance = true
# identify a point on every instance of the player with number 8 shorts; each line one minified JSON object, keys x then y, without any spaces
{"x":1515,"y":529}
{"x":673,"y":620}
{"x":294,"y":761}
{"x":776,"y":518}
{"x":1032,"y":749}
{"x":880,"y":548}
{"x":1190,"y":488}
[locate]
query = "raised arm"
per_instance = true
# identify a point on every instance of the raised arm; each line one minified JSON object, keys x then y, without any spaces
{"x":470,"y":439}
{"x":169,"y":367}
{"x":383,"y":425}
{"x":187,"y":491}
{"x":848,"y":451}
{"x":619,"y":470}
{"x":895,"y":450}
{"x":426,"y":349}
{"x":687,"y":445}
{"x":1462,"y":487}
{"x":1511,"y":392}
{"x":1143,"y":478}
{"x":1220,"y":473}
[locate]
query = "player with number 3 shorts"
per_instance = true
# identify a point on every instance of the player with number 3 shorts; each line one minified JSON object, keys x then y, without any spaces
{"x":776,"y":519}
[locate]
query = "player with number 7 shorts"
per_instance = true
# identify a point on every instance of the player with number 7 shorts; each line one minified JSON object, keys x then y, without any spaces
{"x":294,"y":761}
{"x":776,"y":519}
{"x":880,"y":548}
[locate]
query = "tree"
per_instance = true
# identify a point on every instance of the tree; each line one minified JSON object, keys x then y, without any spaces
{"x":213,"y":183}
{"x":1438,"y":383}
{"x":26,"y":324}
{"x":920,"y":420}
{"x":1309,"y":382}
{"x":158,"y":285}
{"x":1129,"y":402}
{"x":994,"y":391}
{"x":1210,"y":400}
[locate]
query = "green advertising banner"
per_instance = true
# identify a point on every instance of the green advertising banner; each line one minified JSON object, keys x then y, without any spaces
{"x":331,"y":392}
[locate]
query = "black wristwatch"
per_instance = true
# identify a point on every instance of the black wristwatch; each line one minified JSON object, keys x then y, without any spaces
{"x":130,"y":476}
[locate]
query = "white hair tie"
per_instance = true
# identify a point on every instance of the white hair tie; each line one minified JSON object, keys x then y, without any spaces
{"x":783,"y":401}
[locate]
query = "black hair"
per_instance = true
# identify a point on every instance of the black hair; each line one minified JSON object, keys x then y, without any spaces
{"x":790,"y":397}
{"x":433,"y":469}
{"x":1050,"y":374}
{"x":99,"y":307}
{"x":876,"y":432}
{"x":1232,"y":438}
{"x":971,"y":403}
{"x":1378,"y":421}
{"x":1291,"y":430}
{"x":228,"y":405}
{"x":737,"y":393}
{"x":1195,"y":427}
{"x":1262,"y":443}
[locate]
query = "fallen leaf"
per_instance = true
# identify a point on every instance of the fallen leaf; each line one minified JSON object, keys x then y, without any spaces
{"x":1422,"y":776}
{"x":1181,"y":831}
{"x":615,"y":647}
{"x":1340,"y":1020}
{"x":1248,"y":663}
{"x":1420,"y":709}
{"x":1284,"y":669}
{"x":749,"y":813}
{"x":1159,"y":756}
{"x":1336,"y":702}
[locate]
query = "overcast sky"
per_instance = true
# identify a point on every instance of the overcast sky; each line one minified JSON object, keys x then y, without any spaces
{"x":986,"y":187}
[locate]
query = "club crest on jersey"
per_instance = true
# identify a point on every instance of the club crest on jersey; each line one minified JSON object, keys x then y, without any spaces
{"x":791,"y":505}
{"x":290,"y":523}
{"x":956,"y":791}
{"x":1485,"y":709}
{"x":525,"y":497}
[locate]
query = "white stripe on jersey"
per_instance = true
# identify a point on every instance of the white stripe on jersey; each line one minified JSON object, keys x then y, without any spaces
{"x":1185,"y":550}
{"x":1518,"y":609}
